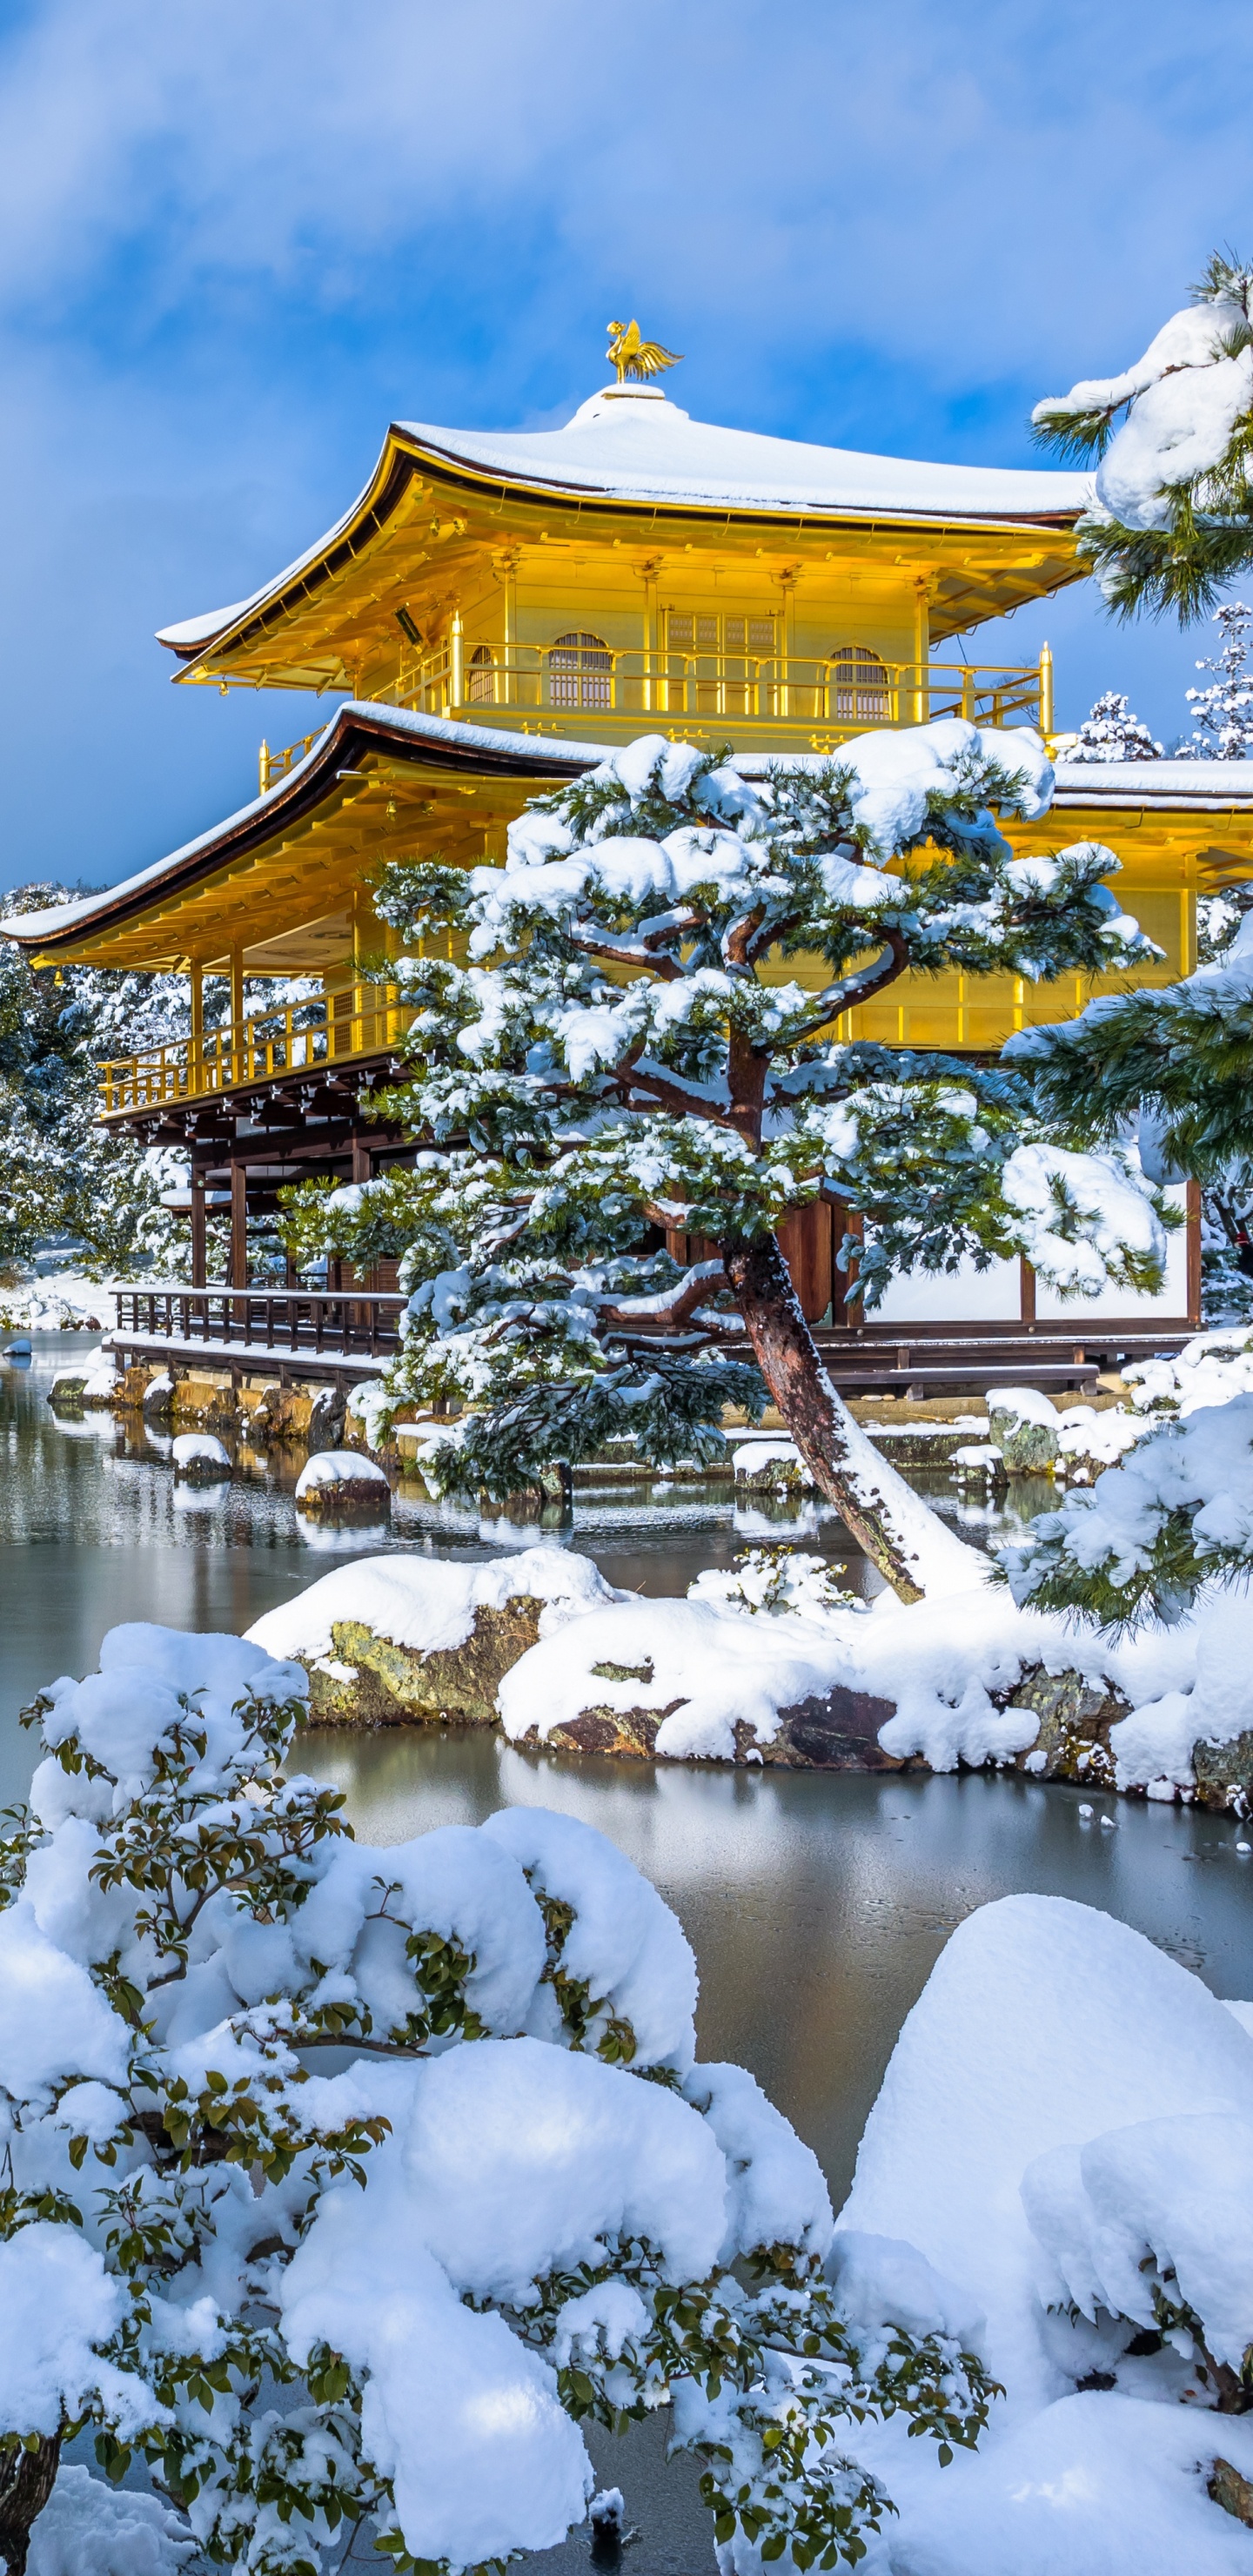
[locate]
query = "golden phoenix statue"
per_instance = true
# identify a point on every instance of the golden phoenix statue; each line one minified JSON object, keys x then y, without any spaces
{"x":637,"y":359}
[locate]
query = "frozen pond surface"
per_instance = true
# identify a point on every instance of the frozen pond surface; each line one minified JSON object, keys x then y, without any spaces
{"x":816,"y":1904}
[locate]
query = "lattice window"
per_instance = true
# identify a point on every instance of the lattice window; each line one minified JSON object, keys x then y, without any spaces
{"x":580,"y":672}
{"x":859,"y":686}
{"x":701,"y":631}
{"x":481,"y":678}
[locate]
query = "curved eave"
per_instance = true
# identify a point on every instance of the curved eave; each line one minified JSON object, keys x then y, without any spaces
{"x":356,"y":732}
{"x":403,"y":457}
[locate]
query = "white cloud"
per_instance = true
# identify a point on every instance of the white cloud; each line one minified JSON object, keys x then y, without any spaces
{"x":236,"y":234}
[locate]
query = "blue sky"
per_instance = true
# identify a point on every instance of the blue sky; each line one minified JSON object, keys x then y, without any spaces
{"x":235,"y":240}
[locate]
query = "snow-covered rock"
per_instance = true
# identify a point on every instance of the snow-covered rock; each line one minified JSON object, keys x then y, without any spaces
{"x":343,"y":1480}
{"x":691,"y":1681}
{"x":399,"y":1637}
{"x":1025,"y":1429}
{"x":1043,"y":2024}
{"x":91,"y":1380}
{"x":199,"y":1457}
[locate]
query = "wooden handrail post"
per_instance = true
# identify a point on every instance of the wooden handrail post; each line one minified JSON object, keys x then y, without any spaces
{"x":239,"y":1225}
{"x":199,"y":1231}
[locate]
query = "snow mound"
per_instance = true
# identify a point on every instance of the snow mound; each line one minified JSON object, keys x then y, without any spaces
{"x":428,"y":1603}
{"x":1044,"y":2024}
{"x":1162,"y":2200}
{"x":1097,"y":2485}
{"x":88,"y":2528}
{"x":509,"y":2162}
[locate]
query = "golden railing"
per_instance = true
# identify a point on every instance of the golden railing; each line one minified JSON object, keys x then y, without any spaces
{"x":363,"y":1020}
{"x":273,"y":765}
{"x":819,"y":701}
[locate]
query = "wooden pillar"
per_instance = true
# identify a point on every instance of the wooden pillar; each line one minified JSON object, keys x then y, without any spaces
{"x":199,"y":1238}
{"x":239,"y":1225}
{"x":361,"y":1159}
{"x":195,"y":1065}
{"x":1193,"y":1222}
{"x":237,"y":1013}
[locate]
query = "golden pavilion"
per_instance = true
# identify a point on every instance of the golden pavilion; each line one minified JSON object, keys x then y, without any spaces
{"x":491,"y":613}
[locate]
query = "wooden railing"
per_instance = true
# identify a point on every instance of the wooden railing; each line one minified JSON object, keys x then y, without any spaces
{"x":819,"y":702}
{"x":352,"y":1323}
{"x":363,"y":1020}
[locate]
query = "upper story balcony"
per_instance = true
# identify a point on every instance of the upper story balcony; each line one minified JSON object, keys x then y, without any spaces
{"x":714,"y":685}
{"x":304,"y":1042}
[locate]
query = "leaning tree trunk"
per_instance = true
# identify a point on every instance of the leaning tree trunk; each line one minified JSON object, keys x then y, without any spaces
{"x":908,"y":1542}
{"x":26,"y":2482}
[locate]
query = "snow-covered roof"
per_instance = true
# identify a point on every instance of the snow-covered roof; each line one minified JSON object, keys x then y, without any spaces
{"x":1174,"y":786}
{"x":361,"y":726}
{"x":639,"y":447}
{"x":357,"y":724}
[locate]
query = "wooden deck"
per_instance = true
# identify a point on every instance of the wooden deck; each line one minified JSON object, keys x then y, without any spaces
{"x":353,"y":1332}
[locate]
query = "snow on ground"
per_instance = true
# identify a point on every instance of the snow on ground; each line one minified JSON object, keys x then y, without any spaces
{"x":1064,"y":2105}
{"x":61,"y":1301}
{"x":1208,"y":1370}
{"x":427,"y":1604}
{"x":748,"y":1644}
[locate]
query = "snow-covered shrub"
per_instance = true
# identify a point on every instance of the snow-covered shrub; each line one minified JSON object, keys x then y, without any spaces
{"x":1151,"y":2227}
{"x":1146,"y":1537}
{"x":603,"y":1045}
{"x":391,"y":2291}
{"x":777,"y":1580}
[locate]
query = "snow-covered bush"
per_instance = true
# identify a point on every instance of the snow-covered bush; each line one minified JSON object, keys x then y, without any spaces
{"x":1150,"y":2228}
{"x":598,"y":1050}
{"x":390,"y":2291}
{"x":1171,"y":516}
{"x":776,"y":1580}
{"x":1150,"y":1533}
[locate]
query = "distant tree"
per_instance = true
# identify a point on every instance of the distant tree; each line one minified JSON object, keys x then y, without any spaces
{"x":1171,"y":519}
{"x":1112,"y":732}
{"x":62,"y":1177}
{"x":1222,"y":714}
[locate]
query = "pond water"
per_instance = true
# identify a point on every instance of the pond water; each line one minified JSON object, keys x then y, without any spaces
{"x":816,"y":1904}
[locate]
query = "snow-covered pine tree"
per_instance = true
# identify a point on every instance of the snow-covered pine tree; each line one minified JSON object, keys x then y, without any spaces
{"x":1112,"y":732}
{"x":1171,"y":519}
{"x":61,"y":1176}
{"x":341,"y":2186}
{"x":623,"y":1048}
{"x":1222,"y":713}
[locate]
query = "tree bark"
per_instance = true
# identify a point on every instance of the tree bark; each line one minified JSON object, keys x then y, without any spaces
{"x":911,"y":1547}
{"x":27,"y":2479}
